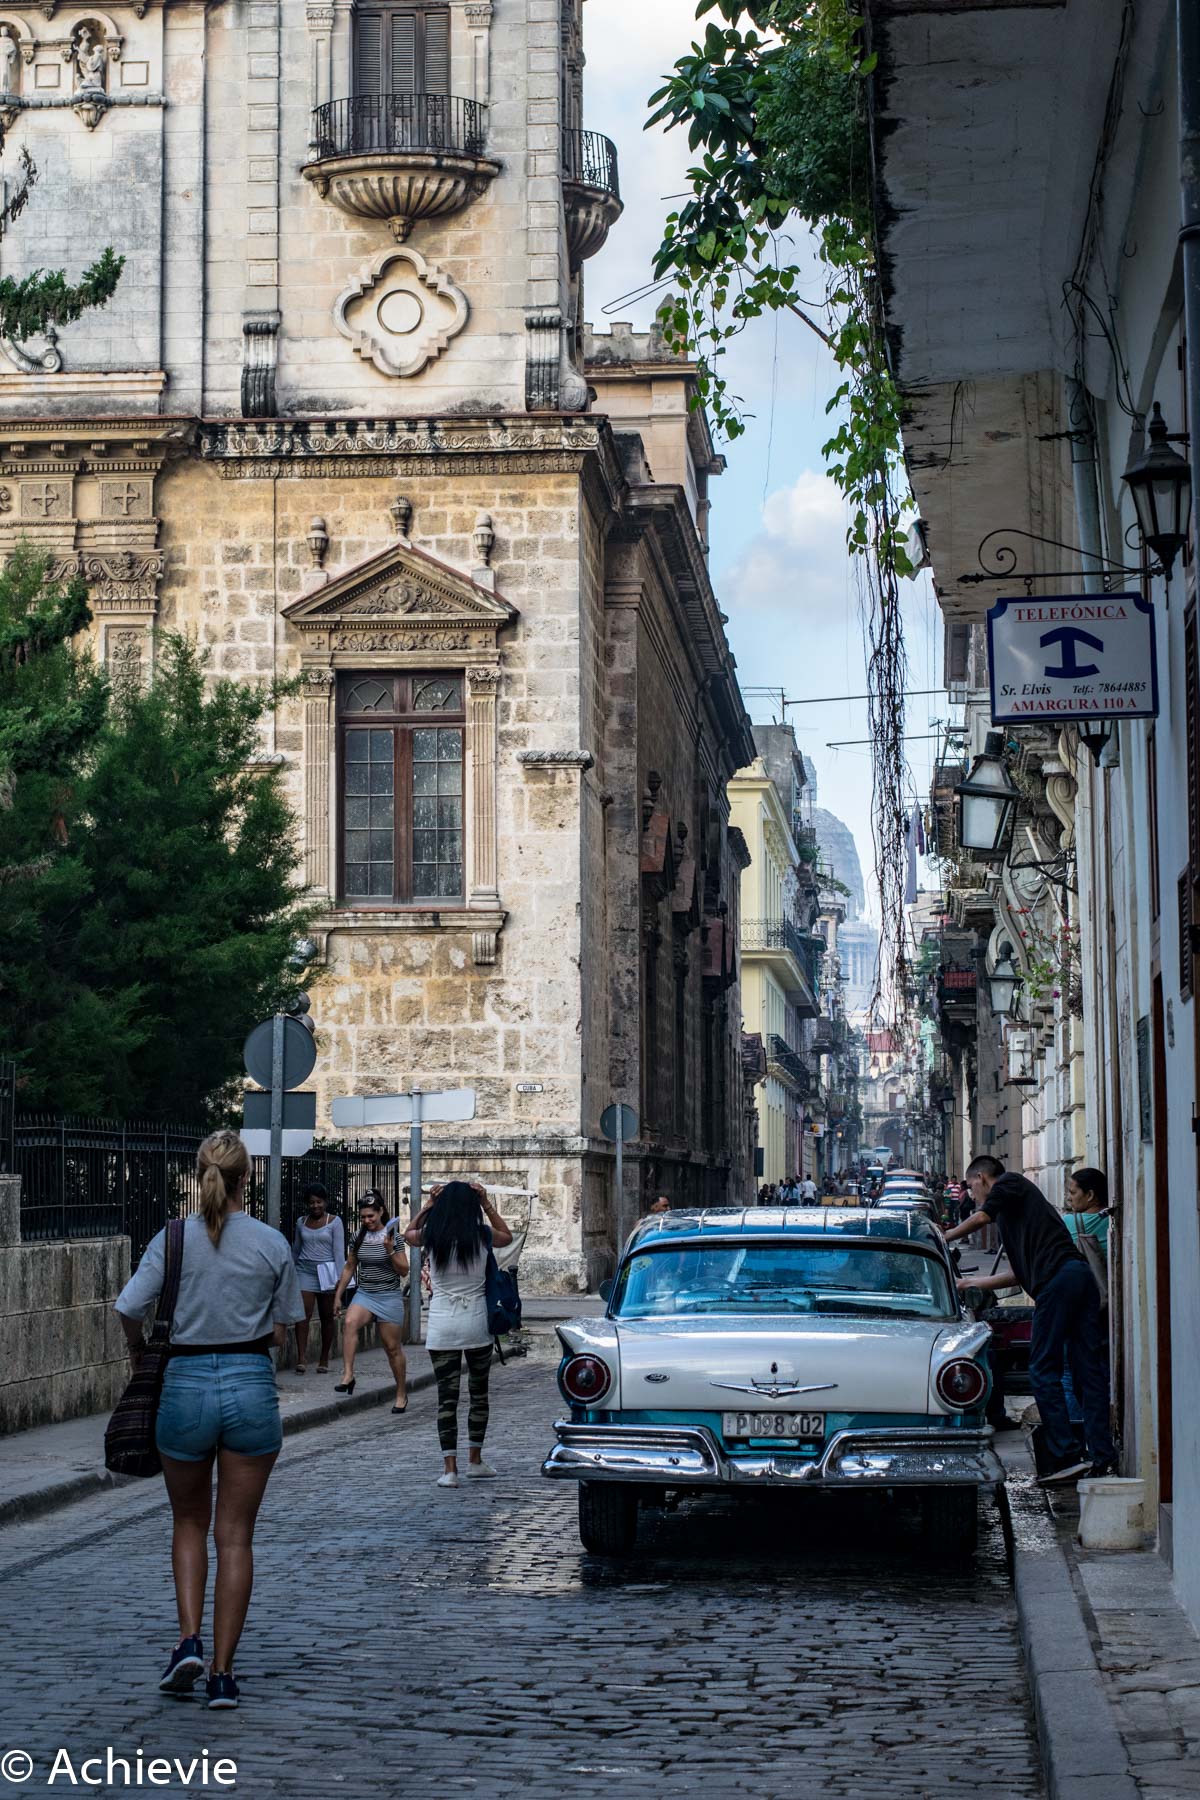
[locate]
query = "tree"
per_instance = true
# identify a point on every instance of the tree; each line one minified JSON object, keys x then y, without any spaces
{"x":35,"y":303}
{"x":164,"y":927}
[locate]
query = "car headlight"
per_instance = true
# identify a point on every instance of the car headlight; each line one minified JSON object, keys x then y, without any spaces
{"x":585,"y":1379}
{"x":961,"y":1384}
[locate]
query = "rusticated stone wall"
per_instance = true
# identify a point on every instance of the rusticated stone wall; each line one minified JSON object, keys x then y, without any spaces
{"x":62,"y":1350}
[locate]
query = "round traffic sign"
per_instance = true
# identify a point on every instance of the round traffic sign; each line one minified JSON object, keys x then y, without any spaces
{"x":629,"y":1123}
{"x":299,"y":1053}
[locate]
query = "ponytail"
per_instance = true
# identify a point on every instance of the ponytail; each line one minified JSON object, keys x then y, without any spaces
{"x":221,"y":1163}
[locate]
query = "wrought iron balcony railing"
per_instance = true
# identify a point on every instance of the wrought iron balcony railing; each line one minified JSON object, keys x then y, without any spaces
{"x":775,"y":934}
{"x":780,"y":1052}
{"x":377,"y":123}
{"x":590,"y":160}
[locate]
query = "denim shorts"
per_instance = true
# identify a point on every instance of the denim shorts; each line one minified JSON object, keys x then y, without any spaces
{"x":218,"y":1403}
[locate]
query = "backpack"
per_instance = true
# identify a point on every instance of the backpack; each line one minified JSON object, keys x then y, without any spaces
{"x":503,"y":1297}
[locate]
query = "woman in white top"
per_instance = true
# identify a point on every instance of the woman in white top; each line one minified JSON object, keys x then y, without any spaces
{"x":453,"y":1232}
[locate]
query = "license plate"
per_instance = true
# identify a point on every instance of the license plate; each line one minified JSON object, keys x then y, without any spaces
{"x":773,"y":1424}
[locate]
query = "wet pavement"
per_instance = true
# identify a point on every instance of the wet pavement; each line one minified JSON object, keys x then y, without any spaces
{"x":416,"y":1642}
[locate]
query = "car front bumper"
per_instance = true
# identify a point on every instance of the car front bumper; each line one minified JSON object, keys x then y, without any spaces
{"x":693,"y":1456}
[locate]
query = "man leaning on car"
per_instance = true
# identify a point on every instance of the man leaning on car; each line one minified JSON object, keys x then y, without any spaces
{"x":1066,"y":1319}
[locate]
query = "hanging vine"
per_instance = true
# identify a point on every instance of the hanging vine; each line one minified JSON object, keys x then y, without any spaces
{"x":775,"y":101}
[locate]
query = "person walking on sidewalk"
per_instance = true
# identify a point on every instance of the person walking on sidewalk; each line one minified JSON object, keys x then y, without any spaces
{"x":377,"y":1259}
{"x":319,"y":1243}
{"x":238,"y":1293}
{"x":456,"y":1229}
{"x":1066,"y":1317}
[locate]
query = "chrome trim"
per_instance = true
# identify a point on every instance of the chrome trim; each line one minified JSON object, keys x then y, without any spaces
{"x":691,"y":1456}
{"x":770,"y":1393}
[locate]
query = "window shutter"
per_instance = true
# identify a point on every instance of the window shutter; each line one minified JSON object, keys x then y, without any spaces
{"x":368,"y":54}
{"x":437,"y":52}
{"x":404,"y":53}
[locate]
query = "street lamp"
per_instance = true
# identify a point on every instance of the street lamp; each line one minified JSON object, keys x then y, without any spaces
{"x":948,"y":1102}
{"x":1160,"y":481}
{"x":987,"y":803}
{"x":1004,"y":980}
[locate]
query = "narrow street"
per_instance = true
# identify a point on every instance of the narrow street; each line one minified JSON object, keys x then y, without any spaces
{"x":410,"y":1641}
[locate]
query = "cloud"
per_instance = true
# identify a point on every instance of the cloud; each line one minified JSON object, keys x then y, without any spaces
{"x":797,"y":560}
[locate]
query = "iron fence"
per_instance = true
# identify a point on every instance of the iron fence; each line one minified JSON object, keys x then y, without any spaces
{"x":8,"y":1102}
{"x":590,"y":160}
{"x":371,"y":123}
{"x":83,"y":1178}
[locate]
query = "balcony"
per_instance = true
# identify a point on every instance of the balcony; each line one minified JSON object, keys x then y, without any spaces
{"x":782,"y":942}
{"x":400,"y":157}
{"x":591,"y":192}
{"x":783,"y":1061}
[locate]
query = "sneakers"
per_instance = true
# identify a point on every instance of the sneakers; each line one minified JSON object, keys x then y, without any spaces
{"x":184,"y":1669}
{"x":1065,"y":1476}
{"x":449,"y":1479}
{"x":222,"y":1693}
{"x":479,"y":1471}
{"x":1101,"y":1471}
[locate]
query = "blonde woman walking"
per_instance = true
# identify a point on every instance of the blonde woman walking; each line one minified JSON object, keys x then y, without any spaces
{"x":238,"y":1293}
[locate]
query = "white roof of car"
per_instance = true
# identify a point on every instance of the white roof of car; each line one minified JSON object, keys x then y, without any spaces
{"x":715,"y":1222}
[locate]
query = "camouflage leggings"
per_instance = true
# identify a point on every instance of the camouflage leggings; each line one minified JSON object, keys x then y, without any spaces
{"x":447,"y":1371}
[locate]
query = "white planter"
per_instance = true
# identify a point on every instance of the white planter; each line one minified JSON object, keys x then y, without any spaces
{"x":1112,"y":1514}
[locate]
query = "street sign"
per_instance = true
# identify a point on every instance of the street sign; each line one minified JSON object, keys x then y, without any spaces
{"x":445,"y":1106}
{"x":1065,"y":657}
{"x":530,"y":1087}
{"x":299,"y":1053}
{"x":291,"y":1143}
{"x":299,"y":1112}
{"x":627,"y":1129}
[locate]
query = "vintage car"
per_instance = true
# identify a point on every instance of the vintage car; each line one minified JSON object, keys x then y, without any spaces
{"x":803,"y":1348}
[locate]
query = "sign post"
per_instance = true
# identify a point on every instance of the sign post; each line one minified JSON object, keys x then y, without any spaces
{"x":619,"y":1124}
{"x":279,"y":1054}
{"x":416,"y":1110}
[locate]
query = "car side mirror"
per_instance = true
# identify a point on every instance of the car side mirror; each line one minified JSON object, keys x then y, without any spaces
{"x":606,"y":1288}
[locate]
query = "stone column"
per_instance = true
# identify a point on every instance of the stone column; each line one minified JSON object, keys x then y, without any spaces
{"x":320,"y":26}
{"x":479,"y":19}
{"x":483,"y":890}
{"x":318,"y":741}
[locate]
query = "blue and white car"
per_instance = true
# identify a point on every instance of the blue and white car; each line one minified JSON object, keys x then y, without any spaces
{"x":777,"y":1347}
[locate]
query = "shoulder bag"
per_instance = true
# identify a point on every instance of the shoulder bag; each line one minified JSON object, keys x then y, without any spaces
{"x":129,"y":1446}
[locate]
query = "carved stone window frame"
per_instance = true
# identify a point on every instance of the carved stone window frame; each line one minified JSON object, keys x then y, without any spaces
{"x":404,"y":610}
{"x":331,"y":30}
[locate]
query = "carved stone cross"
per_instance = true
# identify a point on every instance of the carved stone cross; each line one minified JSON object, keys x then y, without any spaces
{"x":126,"y":498}
{"x":45,"y":499}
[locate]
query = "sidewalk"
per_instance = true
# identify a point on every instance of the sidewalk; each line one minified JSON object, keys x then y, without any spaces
{"x":1114,"y":1664}
{"x":54,"y":1465}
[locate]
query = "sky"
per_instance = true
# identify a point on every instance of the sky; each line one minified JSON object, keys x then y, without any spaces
{"x":779,"y":562}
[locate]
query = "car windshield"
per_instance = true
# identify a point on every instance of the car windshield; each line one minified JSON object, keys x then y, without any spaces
{"x":830,"y":1278}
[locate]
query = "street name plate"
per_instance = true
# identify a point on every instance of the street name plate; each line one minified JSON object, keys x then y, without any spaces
{"x":440,"y":1106}
{"x":1064,"y":657}
{"x":295,"y":1143}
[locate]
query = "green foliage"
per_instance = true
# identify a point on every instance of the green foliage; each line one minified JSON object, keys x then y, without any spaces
{"x":153,"y":925}
{"x":39,"y":300}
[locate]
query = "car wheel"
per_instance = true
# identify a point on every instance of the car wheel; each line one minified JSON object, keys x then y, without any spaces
{"x":608,"y":1512}
{"x":950,"y":1521}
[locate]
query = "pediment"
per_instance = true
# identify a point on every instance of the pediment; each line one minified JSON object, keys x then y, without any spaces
{"x":402,"y":591}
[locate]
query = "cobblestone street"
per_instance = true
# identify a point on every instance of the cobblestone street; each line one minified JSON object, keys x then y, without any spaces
{"x":410,"y":1641}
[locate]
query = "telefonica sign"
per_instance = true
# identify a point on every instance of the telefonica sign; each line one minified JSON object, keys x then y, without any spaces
{"x":1064,"y":657}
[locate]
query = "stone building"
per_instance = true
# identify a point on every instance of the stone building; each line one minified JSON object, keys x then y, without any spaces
{"x":337,"y":423}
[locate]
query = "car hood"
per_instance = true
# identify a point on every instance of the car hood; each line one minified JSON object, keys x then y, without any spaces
{"x":838,"y":1365}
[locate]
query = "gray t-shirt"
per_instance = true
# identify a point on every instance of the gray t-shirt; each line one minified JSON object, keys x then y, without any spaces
{"x":231,"y":1292}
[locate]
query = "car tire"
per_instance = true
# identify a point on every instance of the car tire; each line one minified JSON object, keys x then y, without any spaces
{"x":608,"y":1517}
{"x":950,"y":1521}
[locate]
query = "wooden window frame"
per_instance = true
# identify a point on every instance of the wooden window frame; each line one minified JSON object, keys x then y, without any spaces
{"x":402,"y":721}
{"x":420,"y":14}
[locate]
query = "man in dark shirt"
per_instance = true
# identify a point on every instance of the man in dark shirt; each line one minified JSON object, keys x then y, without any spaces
{"x":1066,"y":1320}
